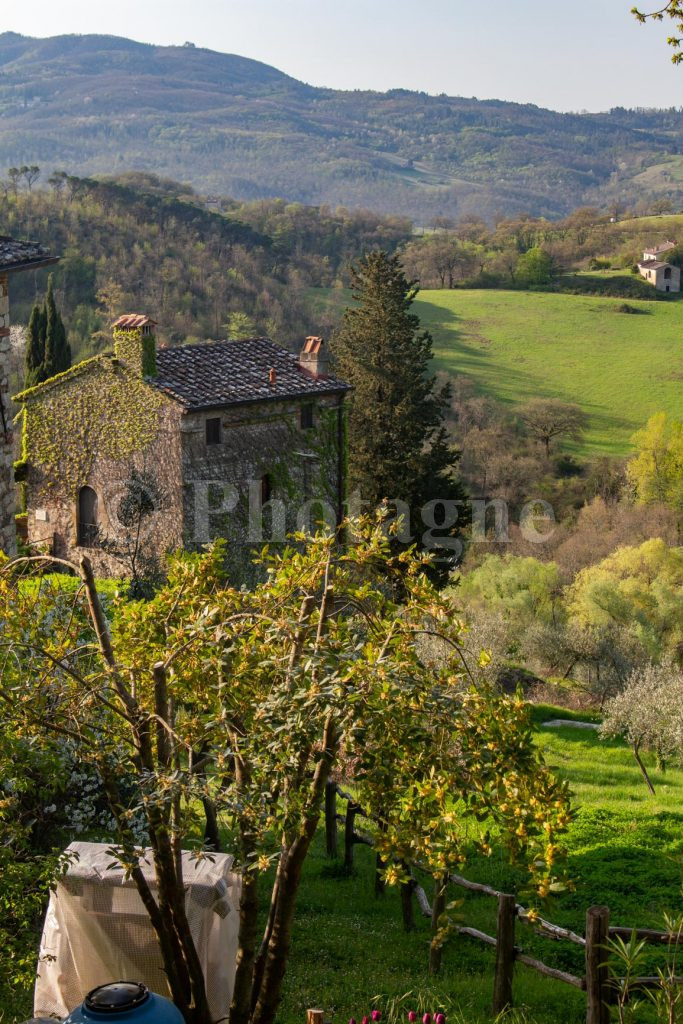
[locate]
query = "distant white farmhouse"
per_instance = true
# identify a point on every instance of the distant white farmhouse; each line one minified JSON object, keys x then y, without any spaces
{"x":664,"y":276}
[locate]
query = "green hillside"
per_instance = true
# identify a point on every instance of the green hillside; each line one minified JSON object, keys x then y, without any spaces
{"x":92,"y":104}
{"x":517,"y":345}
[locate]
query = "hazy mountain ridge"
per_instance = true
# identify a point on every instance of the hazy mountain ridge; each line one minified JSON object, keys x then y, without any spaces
{"x":93,"y":104}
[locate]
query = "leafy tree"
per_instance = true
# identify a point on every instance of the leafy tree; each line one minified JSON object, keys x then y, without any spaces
{"x":521,"y":589}
{"x":30,"y":173}
{"x":674,"y":10}
{"x":534,"y":267}
{"x":246,"y":700}
{"x":398,"y":446}
{"x":639,"y":588}
{"x":14,"y":174}
{"x":549,"y":418}
{"x":649,"y":714}
{"x":656,"y":470}
{"x":239,"y":326}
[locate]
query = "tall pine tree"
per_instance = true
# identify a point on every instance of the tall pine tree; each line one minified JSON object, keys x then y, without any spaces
{"x":57,"y":348}
{"x":398,"y":444}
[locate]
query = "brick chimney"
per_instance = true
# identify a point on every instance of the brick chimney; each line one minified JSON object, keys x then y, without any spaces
{"x":135,"y":343}
{"x":313,"y":357}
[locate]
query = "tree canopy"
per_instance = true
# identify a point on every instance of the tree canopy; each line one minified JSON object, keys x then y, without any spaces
{"x":244,"y":702}
{"x":656,"y":470}
{"x":398,"y":444}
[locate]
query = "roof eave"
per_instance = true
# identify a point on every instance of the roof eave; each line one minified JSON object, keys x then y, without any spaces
{"x":15,"y":268}
{"x":206,"y":406}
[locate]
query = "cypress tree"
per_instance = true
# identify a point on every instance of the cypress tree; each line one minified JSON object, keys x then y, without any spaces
{"x":57,"y":349}
{"x":35,"y":346}
{"x":398,"y":443}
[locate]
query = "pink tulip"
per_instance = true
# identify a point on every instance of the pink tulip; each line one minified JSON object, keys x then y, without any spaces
{"x":352,"y":1020}
{"x":427,"y":1018}
{"x":412,"y":1017}
{"x":376,"y":1015}
{"x":439,"y":1019}
{"x":366,"y":1020}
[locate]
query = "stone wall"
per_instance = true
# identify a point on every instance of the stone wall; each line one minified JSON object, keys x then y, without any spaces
{"x":7,"y":486}
{"x":263,"y":453}
{"x":93,"y":429}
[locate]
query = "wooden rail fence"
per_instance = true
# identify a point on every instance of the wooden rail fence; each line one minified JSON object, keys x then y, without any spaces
{"x":595,"y":981}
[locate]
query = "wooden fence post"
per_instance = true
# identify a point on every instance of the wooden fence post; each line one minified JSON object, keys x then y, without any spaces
{"x":331,"y":818}
{"x":314,"y":1017}
{"x":438,"y":908}
{"x":505,"y":953}
{"x":349,"y":827}
{"x":597,"y":976}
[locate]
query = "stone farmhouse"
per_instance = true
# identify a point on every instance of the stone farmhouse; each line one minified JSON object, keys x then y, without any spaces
{"x":664,"y":276}
{"x":15,"y":257}
{"x":239,"y":439}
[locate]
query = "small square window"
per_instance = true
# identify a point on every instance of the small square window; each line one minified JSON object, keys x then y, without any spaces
{"x":213,"y":430}
{"x":307,"y":416}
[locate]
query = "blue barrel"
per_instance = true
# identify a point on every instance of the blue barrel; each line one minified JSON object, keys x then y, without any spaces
{"x":123,"y":1001}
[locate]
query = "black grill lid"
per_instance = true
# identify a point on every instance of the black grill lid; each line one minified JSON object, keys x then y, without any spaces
{"x":116,"y":997}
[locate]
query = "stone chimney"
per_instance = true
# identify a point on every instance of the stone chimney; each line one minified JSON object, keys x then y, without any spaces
{"x":135,"y":343}
{"x":313,"y":357}
{"x":7,"y":490}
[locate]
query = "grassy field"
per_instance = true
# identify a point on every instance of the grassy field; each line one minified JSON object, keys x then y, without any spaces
{"x":625,"y":850}
{"x":619,"y":367}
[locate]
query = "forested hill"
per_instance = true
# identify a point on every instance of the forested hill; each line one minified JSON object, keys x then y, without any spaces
{"x":139,"y":243}
{"x":230,"y":125}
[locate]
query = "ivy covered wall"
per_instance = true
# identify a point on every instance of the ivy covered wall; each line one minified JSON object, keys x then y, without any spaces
{"x":91,"y":426}
{"x":94,"y":424}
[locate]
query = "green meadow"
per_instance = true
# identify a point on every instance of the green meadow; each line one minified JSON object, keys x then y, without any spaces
{"x":625,"y":850}
{"x":619,"y":367}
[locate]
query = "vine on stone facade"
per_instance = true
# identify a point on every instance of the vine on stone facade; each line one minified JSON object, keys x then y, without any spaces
{"x":99,"y":409}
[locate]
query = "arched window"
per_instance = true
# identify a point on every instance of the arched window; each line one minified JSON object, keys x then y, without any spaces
{"x":87,"y":518}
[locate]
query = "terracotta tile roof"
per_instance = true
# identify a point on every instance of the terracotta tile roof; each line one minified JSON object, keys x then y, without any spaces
{"x":226,"y":373}
{"x":134,"y":320}
{"x":653,"y":264}
{"x":22,"y":255}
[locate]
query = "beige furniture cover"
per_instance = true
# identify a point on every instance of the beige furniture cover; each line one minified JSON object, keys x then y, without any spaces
{"x":97,"y":930}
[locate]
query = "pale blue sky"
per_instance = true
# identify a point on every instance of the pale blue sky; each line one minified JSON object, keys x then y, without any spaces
{"x":564,"y":54}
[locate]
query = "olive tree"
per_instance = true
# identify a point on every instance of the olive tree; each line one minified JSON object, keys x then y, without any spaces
{"x":244,"y":701}
{"x":649,"y":714}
